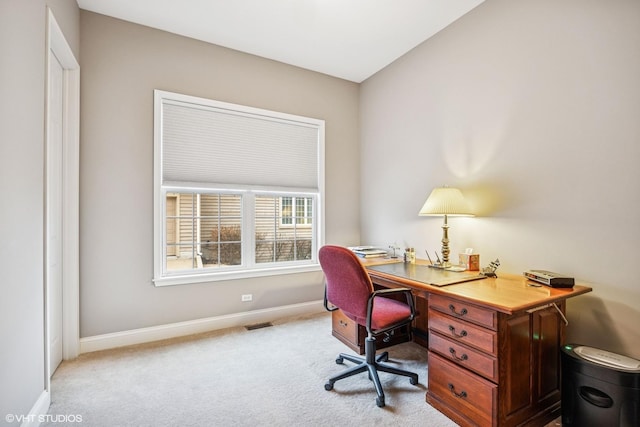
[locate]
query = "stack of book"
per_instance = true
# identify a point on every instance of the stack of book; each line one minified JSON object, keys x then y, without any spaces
{"x":368,"y":251}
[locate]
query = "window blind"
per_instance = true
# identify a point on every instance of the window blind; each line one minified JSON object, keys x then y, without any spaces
{"x":207,"y":144}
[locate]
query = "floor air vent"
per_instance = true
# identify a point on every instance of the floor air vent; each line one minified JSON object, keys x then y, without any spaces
{"x":258,"y":326}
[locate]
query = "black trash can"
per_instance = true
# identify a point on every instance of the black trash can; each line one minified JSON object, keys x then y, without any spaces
{"x":599,"y":388}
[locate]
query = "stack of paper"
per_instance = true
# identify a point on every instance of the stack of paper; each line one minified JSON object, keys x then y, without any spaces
{"x":368,"y":251}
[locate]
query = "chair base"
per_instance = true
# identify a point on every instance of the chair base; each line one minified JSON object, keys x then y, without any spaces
{"x":372,"y":364}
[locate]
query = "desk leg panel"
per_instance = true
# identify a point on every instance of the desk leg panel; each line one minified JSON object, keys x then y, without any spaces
{"x":529,"y":381}
{"x":421,"y":322}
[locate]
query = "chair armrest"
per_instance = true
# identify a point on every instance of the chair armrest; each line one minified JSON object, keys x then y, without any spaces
{"x":326,"y":301}
{"x":386,"y":292}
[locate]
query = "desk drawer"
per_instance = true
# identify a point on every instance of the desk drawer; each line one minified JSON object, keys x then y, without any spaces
{"x":344,"y":327}
{"x":461,"y":391}
{"x":479,"y":362}
{"x":464,"y":332}
{"x":465,"y":311}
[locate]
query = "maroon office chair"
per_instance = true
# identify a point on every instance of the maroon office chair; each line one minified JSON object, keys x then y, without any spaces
{"x":349,"y":288}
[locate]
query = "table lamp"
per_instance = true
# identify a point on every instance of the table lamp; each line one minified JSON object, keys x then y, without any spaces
{"x":445,"y":201}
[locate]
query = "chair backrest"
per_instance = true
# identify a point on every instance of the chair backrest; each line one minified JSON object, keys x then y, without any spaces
{"x":348,"y":283}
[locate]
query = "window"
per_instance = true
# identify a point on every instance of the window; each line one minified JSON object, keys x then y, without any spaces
{"x":238,"y":191}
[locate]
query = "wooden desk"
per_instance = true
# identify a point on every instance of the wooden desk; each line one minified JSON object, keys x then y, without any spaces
{"x":494,"y":346}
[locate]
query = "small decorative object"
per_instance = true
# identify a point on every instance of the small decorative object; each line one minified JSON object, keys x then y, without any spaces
{"x":491,"y":270}
{"x":410,"y":255}
{"x":394,"y":247}
{"x":469,"y":260}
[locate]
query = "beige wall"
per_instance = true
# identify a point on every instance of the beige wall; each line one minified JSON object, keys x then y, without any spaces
{"x":122,"y":63}
{"x":22,"y":108}
{"x":531,"y":107}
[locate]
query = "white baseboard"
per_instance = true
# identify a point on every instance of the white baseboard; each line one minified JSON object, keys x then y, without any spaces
{"x":38,"y":412}
{"x":156,"y":333}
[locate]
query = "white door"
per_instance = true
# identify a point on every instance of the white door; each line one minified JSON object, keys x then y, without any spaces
{"x":61,"y":208}
{"x":54,"y":211}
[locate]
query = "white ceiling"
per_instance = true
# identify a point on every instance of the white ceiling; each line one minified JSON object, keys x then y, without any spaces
{"x":349,"y":39}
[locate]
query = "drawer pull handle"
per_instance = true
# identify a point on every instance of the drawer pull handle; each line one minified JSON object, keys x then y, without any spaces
{"x":461,"y":395}
{"x":453,"y":310}
{"x":453,"y":354}
{"x":343,"y":323}
{"x":462,"y":333}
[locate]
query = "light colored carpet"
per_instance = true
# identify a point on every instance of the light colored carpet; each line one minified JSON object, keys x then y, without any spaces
{"x":273,"y":376}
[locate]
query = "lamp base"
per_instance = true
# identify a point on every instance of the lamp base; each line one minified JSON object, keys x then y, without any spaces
{"x":445,"y":244}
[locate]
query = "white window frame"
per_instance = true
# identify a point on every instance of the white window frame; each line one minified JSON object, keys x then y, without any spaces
{"x":248,"y":193}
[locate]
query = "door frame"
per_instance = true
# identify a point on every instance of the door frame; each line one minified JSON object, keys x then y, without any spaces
{"x":57,"y":43}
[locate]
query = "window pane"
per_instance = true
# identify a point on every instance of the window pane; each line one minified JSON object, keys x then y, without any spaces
{"x":265,"y":251}
{"x":279,"y":235}
{"x":230,"y":205}
{"x":300,"y":202}
{"x":303,"y":249}
{"x":209,"y":254}
{"x":209,"y":229}
{"x":265,"y":229}
{"x":221,"y":254}
{"x":287,"y":210}
{"x":284,"y":250}
{"x":308,"y":211}
{"x":178,"y":264}
{"x":203,"y":230}
{"x":230,"y":230}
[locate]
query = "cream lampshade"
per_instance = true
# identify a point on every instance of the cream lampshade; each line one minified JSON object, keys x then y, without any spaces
{"x":445,"y":201}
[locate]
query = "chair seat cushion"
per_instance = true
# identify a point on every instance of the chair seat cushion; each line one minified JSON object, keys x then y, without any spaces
{"x":386,"y":312}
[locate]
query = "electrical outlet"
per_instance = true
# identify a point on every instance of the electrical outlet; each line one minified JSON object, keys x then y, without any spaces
{"x":247,"y":297}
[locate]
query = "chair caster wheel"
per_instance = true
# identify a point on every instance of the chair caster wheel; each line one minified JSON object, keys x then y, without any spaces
{"x":413,"y":381}
{"x":339,"y":360}
{"x":380,"y":402}
{"x":328,"y":386}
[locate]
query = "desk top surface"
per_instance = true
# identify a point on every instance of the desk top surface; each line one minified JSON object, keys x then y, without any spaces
{"x":508,"y":293}
{"x":424,"y":274}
